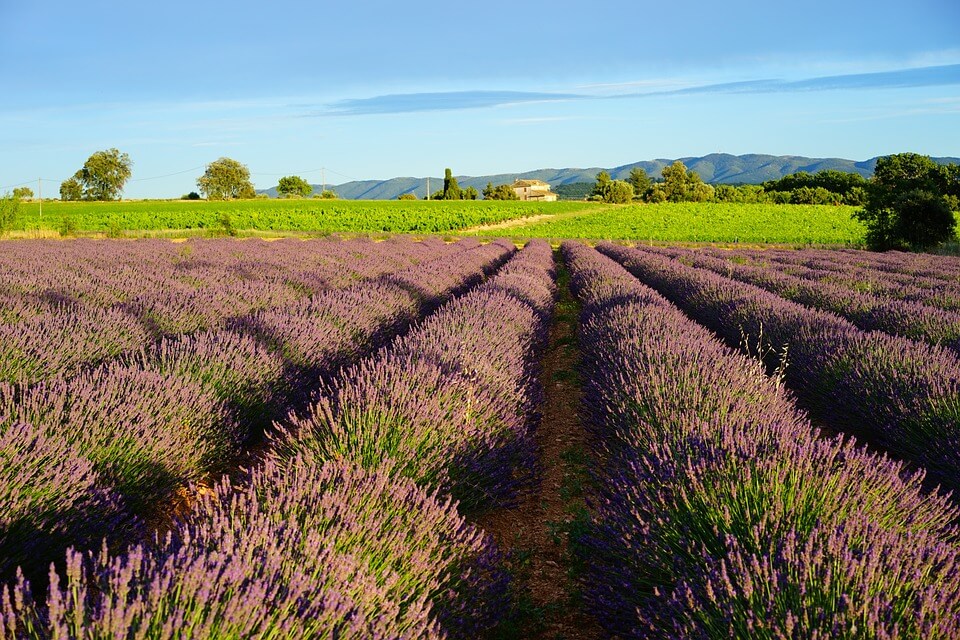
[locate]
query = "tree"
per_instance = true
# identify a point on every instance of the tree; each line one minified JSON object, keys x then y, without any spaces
{"x":451,"y":190}
{"x":293,"y":187}
{"x":500,"y":192}
{"x":681,"y":185}
{"x":102,"y":176}
{"x":23,"y":193}
{"x":329,"y":194}
{"x":639,"y":180}
{"x":602,"y":185}
{"x":9,"y":210}
{"x":675,"y":182}
{"x":71,"y":189}
{"x":470,"y":193}
{"x":908,"y":203}
{"x":727,"y":193}
{"x":226,"y":179}
{"x":619,"y":192}
{"x":193,"y":195}
{"x":406,"y":196}
{"x":698,"y":190}
{"x":656,"y":194}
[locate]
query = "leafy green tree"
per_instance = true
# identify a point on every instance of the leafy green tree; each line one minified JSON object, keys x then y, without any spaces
{"x":656,"y":194}
{"x":752,"y":193}
{"x":23,"y":193}
{"x":619,"y":192}
{"x":699,"y":191}
{"x":908,"y":204}
{"x":226,"y":179}
{"x":470,"y":193}
{"x":639,"y":180}
{"x":406,"y":196}
{"x":293,"y":187}
{"x":9,"y":211}
{"x":602,"y":185}
{"x":71,"y":190}
{"x":500,"y":192}
{"x":103,"y":175}
{"x":675,"y":182}
{"x":727,"y":193}
{"x":856,"y":197}
{"x":681,"y":185}
{"x":451,"y":190}
{"x":329,"y":194}
{"x":193,"y":195}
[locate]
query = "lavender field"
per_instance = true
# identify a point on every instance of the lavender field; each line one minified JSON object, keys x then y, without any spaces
{"x":336,"y":439}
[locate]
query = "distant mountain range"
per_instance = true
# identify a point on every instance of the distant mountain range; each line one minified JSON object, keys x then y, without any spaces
{"x":715,"y":168}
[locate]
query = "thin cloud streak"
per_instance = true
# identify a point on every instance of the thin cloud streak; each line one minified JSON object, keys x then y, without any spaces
{"x":439,"y":101}
{"x":943,"y":75}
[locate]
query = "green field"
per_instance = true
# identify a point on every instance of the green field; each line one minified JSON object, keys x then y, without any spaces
{"x":683,"y":222}
{"x":709,"y":222}
{"x":317,"y":216}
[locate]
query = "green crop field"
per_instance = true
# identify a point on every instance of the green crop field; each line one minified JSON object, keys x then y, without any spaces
{"x":701,"y":222}
{"x":320,"y":216}
{"x":684,"y":222}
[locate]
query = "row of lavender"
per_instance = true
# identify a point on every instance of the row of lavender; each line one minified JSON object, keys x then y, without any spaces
{"x":101,"y":451}
{"x":916,"y":265}
{"x":69,"y":306}
{"x":900,"y":394}
{"x":910,"y":319}
{"x":720,"y":512}
{"x":935,"y":282}
{"x":327,"y":538}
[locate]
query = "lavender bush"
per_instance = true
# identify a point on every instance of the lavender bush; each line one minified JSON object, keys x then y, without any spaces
{"x":146,"y":433}
{"x":303,"y":551}
{"x":50,"y":497}
{"x":707,"y":461}
{"x":249,"y":378}
{"x":864,"y":309}
{"x":898,"y":393}
{"x":447,"y":403}
{"x":95,"y":301}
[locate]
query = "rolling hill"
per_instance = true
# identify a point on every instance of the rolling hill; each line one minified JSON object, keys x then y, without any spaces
{"x":715,"y":168}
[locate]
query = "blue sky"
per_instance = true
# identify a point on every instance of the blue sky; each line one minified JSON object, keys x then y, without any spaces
{"x":376,"y":90}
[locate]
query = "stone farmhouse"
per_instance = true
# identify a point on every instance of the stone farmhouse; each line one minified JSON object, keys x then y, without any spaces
{"x":533,"y":190}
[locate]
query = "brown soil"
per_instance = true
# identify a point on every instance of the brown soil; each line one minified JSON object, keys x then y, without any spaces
{"x":509,"y":224}
{"x":539,"y":557}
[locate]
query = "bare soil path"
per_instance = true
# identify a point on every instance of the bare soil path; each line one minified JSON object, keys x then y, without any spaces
{"x":533,"y":534}
{"x":509,"y":224}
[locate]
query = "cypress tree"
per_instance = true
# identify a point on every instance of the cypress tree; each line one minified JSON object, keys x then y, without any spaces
{"x":451,"y":190}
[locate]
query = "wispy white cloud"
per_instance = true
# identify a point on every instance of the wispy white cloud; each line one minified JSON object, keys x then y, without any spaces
{"x":942,"y":75}
{"x":438,"y":101}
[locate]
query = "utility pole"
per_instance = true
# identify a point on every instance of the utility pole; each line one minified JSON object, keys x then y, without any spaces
{"x":323,"y":179}
{"x":40,"y":196}
{"x":428,"y":187}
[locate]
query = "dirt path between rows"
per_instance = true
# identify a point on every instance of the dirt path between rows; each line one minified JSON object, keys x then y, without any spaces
{"x":531,"y":534}
{"x":509,"y":224}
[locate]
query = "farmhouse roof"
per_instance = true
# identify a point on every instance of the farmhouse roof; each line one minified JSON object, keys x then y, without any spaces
{"x":530,"y":183}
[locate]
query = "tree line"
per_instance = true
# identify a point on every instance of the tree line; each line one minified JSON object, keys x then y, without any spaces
{"x":679,"y":184}
{"x":910,"y":203}
{"x":105,"y":173}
